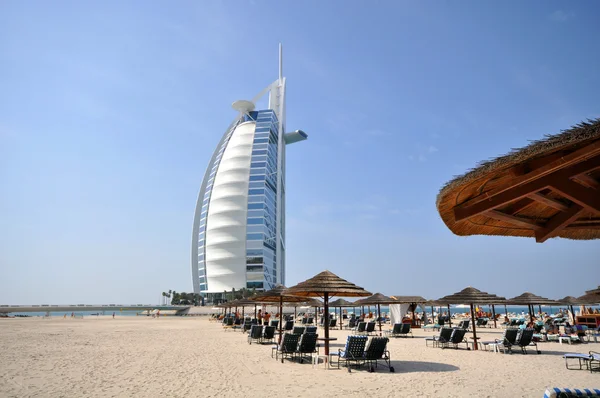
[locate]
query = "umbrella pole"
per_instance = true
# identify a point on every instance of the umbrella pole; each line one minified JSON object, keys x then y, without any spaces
{"x":379,"y":316}
{"x":505,"y":310}
{"x":295,"y":315}
{"x":540,"y":308}
{"x":449,"y":316}
{"x":530,"y":313}
{"x":573,"y":312}
{"x":326,"y":322}
{"x":474,"y":331}
{"x":341,"y":319}
{"x":254,"y":311}
{"x":414,"y":320}
{"x":432,"y":316}
{"x":494,"y":315}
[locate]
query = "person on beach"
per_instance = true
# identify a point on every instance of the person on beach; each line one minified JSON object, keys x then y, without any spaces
{"x":259,"y":317}
{"x":113,"y":315}
{"x":267,"y":317}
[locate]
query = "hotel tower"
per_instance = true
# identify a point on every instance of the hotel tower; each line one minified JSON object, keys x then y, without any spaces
{"x":238,"y":238}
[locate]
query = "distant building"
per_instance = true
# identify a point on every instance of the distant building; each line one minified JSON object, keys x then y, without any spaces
{"x":238,"y":238}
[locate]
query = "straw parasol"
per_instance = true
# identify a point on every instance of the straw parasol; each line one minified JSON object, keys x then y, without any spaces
{"x":544,"y":190}
{"x":277,"y":295}
{"x":339,"y":303}
{"x":326,"y":284}
{"x":377,"y":299}
{"x":471,"y":296}
{"x":433,"y":303}
{"x":530,"y":299}
{"x":412,"y":300}
{"x":245,"y":303}
{"x":571,"y":301}
{"x":591,"y":296}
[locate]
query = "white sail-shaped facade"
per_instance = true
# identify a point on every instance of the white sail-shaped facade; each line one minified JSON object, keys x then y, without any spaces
{"x":238,"y":238}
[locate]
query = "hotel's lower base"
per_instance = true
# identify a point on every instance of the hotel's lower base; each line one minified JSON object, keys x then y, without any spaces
{"x":146,"y":357}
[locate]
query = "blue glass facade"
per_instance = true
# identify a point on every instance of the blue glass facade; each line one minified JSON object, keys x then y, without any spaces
{"x":261,"y":230}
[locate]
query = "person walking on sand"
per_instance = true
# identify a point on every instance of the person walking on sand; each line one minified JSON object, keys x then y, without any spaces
{"x":113,"y":315}
{"x":259,"y":317}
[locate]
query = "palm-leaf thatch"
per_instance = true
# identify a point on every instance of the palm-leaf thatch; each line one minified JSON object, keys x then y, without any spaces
{"x":377,"y":298}
{"x":341,"y":303}
{"x":546,"y":189}
{"x":326,"y":282}
{"x":409,"y":299}
{"x":276,"y":295}
{"x":530,"y":299}
{"x":591,"y":296}
{"x":570,"y":300}
{"x":470,"y":295}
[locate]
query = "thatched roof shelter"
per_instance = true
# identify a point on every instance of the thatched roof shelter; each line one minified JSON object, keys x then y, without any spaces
{"x":550,"y":188}
{"x":377,"y":299}
{"x":341,"y":303}
{"x":326,"y":284}
{"x":530,"y":299}
{"x":409,"y":299}
{"x":591,"y":296}
{"x":570,"y":300}
{"x":471,"y":296}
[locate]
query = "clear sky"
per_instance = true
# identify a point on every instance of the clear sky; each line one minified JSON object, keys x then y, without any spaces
{"x":110,"y":112}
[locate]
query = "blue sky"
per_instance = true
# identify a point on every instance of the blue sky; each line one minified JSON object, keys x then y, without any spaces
{"x":110,"y":112}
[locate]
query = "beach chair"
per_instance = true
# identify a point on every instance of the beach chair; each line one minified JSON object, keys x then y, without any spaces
{"x":377,"y":351}
{"x":457,"y":337}
{"x":508,"y":339}
{"x":525,"y":339}
{"x":304,"y":321}
{"x":464,"y":324}
{"x":582,"y":359}
{"x":442,"y":338}
{"x":298,"y":329}
{"x":268,"y":334}
{"x":307,"y":345}
{"x":332,"y":323}
{"x":255,"y":334}
{"x":229,"y":324}
{"x":275,"y":322}
{"x":362,"y":326}
{"x":352,"y":353}
{"x":400,"y":330}
{"x":370,"y":328}
{"x":311,"y":329}
{"x":555,"y":392}
{"x":351,"y":323}
{"x":310,"y":320}
{"x":594,"y":361}
{"x":287,"y":348}
{"x":289,"y":325}
{"x":246,"y":326}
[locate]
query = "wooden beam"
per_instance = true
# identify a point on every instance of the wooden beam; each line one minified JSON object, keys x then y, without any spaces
{"x":577,"y":193}
{"x":518,"y":206}
{"x":552,"y":167}
{"x":555,"y":204}
{"x":583,"y":226}
{"x":504,"y":195}
{"x":588,"y":181}
{"x":522,"y":222}
{"x":558,"y":222}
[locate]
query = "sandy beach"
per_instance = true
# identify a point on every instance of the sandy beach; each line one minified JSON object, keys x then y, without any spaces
{"x":176,"y":357}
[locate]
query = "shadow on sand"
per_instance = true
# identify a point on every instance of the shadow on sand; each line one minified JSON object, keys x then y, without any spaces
{"x":415,"y":366}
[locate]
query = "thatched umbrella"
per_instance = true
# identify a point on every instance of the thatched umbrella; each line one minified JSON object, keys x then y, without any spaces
{"x":530,"y":299}
{"x":245,"y":303}
{"x":339,"y":303}
{"x":591,"y":296}
{"x":326,"y":284}
{"x":311,"y":302}
{"x":277,"y":295}
{"x":413,"y":301}
{"x":377,"y":299}
{"x":471,"y":296}
{"x":544,"y":190}
{"x":570,"y":301}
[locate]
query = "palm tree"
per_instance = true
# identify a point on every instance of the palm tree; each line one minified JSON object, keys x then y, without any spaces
{"x":164,"y":294}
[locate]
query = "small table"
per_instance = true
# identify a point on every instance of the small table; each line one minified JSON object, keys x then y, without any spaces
{"x":327,"y":339}
{"x":475,"y":342}
{"x":567,"y":338}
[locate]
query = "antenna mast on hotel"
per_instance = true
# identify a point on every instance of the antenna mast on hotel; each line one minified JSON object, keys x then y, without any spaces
{"x":280,"y":63}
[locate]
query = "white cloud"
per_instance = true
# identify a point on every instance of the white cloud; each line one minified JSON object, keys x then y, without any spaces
{"x":561,"y":16}
{"x":432,"y":149}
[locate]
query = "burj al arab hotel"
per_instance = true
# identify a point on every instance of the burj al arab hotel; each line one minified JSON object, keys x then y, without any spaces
{"x":238,"y":238}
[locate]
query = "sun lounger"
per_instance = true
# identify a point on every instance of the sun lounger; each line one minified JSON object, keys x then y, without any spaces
{"x":362,"y":326}
{"x":571,"y":392}
{"x":289,"y":325}
{"x":582,"y":359}
{"x":464,"y":324}
{"x":370,"y":328}
{"x":351,"y":323}
{"x":255,"y":334}
{"x":274,"y":322}
{"x":332,"y":323}
{"x":307,"y":345}
{"x":525,"y":339}
{"x":298,"y":329}
{"x":352,"y":353}
{"x":311,"y":329}
{"x":288,"y":346}
{"x":442,"y":338}
{"x":400,"y":330}
{"x":457,"y":337}
{"x":268,"y":334}
{"x":377,"y":351}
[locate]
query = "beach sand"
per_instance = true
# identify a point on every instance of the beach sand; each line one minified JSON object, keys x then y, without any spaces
{"x":176,"y":357}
